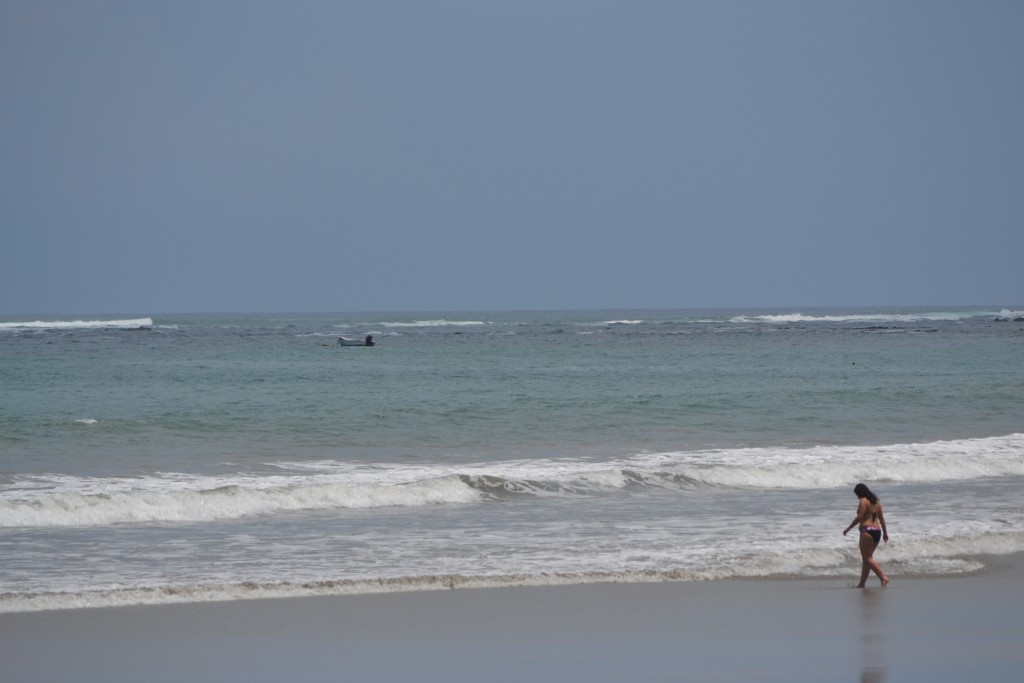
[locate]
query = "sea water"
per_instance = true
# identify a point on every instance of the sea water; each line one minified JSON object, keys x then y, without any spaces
{"x":163,"y":458}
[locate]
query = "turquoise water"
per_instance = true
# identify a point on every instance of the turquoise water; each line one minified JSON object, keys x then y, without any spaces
{"x":197,"y":454}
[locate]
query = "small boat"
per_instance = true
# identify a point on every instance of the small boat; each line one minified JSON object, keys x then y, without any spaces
{"x":345,"y":341}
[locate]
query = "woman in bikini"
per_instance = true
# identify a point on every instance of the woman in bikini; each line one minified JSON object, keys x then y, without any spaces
{"x":872,"y":529}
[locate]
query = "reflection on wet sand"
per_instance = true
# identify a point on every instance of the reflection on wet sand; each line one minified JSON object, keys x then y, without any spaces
{"x":872,"y":636}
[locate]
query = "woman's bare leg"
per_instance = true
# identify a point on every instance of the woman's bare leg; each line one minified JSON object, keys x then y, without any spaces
{"x":869,"y":563}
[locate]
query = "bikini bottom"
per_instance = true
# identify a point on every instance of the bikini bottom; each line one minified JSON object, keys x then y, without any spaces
{"x":874,"y":532}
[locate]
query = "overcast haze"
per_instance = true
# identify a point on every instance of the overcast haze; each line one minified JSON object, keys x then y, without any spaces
{"x":160,"y":157}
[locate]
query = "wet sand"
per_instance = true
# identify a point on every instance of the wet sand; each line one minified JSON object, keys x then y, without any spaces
{"x":917,"y":629}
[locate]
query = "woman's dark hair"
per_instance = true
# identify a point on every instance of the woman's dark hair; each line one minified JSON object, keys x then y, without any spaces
{"x":863,"y":491}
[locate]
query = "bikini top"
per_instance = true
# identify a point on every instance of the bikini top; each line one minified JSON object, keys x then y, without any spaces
{"x":873,"y":511}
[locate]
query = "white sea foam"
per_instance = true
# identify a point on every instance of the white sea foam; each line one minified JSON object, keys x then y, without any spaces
{"x":435,"y":323}
{"x":132,"y":324}
{"x":838,"y":466}
{"x":117,"y":502}
{"x":936,"y":555}
{"x":876,"y":318}
{"x":159,"y":595}
{"x":62,"y":500}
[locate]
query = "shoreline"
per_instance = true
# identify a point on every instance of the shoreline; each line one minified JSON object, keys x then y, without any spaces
{"x":334,"y":588}
{"x":936,"y":628}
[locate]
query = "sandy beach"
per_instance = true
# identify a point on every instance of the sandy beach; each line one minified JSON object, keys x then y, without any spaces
{"x":918,"y":629}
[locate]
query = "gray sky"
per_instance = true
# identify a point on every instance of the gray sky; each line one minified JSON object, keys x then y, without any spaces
{"x":160,"y":157}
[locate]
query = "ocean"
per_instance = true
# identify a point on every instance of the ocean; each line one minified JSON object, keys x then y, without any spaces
{"x":174,"y":458}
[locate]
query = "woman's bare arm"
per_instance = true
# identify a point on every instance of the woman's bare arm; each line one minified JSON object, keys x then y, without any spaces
{"x":862,"y":510}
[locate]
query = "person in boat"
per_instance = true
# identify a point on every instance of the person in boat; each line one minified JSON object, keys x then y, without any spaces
{"x":872,"y":529}
{"x":369,"y":340}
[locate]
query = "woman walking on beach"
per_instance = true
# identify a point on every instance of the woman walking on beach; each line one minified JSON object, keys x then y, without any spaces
{"x":871,"y":523}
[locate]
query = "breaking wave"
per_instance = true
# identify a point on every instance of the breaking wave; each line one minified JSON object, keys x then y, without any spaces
{"x":146,"y":505}
{"x":131,"y":324}
{"x":940,"y":316}
{"x":435,"y":323}
{"x":56,"y":500}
